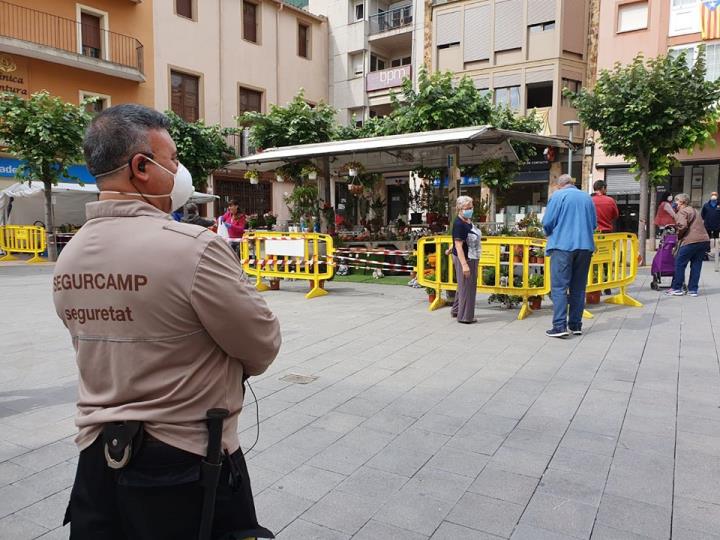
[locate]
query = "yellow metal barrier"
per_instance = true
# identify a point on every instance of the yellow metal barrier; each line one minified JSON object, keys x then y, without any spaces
{"x":504,"y":267}
{"x":286,"y":255}
{"x":509,"y":265}
{"x":614,"y":266}
{"x":22,"y":239}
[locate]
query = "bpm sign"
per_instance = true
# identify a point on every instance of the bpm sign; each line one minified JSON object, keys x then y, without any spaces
{"x":387,"y":78}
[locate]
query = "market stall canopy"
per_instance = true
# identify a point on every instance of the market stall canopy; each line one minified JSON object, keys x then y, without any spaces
{"x":402,"y":152}
{"x":69,"y":201}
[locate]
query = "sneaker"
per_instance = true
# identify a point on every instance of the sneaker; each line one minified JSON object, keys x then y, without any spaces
{"x":557,"y":332}
{"x":674,"y":292}
{"x":693,"y":293}
{"x":576,"y":331}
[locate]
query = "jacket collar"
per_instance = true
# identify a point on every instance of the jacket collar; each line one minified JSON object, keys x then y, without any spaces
{"x":123,"y":208}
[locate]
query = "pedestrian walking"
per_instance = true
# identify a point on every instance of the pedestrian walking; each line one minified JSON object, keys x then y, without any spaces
{"x":710,"y":214}
{"x":607,"y":212}
{"x":694,"y":242}
{"x":465,"y":254}
{"x":569,"y":223}
{"x":165,"y":332}
{"x":665,"y":214}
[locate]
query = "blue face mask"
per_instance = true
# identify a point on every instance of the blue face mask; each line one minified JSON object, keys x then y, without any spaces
{"x":467,"y":214}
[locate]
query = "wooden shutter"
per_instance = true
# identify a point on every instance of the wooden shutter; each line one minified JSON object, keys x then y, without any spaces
{"x":90,"y":33}
{"x":250,"y":21}
{"x":184,"y":8}
{"x":303,"y":40}
{"x":185,"y":96}
{"x":250,"y":101}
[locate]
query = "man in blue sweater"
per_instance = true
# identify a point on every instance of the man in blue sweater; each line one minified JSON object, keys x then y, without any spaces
{"x":569,"y":223}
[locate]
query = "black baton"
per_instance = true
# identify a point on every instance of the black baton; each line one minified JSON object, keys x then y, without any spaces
{"x":211,"y":467}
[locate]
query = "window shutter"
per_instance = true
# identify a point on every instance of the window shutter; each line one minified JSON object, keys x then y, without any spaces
{"x":90,"y":30}
{"x":540,"y":11}
{"x":508,"y":33}
{"x":477,"y":41}
{"x":184,"y":8}
{"x":511,"y":79}
{"x":250,"y":21}
{"x":621,"y":181}
{"x":448,"y":28}
{"x":539,"y":75}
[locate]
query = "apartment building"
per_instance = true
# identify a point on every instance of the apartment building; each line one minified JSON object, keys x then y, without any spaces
{"x":216,"y":59}
{"x":525,"y":52}
{"x":374,"y":46}
{"x":73,"y":50}
{"x":653,"y":28}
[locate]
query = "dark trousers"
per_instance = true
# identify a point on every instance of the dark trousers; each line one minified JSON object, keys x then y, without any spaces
{"x":464,"y":305}
{"x":568,"y":278}
{"x":693,"y":254}
{"x":157,"y":496}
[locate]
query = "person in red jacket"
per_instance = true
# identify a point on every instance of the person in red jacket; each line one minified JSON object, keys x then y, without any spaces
{"x":605,"y":208}
{"x":234,"y":220}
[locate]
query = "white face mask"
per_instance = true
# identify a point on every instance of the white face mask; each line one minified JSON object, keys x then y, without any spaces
{"x":669,"y":199}
{"x":181,"y":190}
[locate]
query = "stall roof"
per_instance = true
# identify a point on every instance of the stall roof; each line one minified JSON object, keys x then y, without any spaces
{"x":402,"y":152}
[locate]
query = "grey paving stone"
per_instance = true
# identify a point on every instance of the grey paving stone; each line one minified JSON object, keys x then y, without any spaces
{"x":603,"y":532}
{"x":400,"y":460}
{"x":343,"y":512}
{"x":569,"y":459}
{"x":528,"y":532}
{"x":374,"y":530}
{"x":389,"y":422}
{"x":261,"y":478}
{"x":452,"y":531}
{"x":9,"y":450}
{"x":437,"y":484}
{"x":459,"y":461}
{"x":14,"y":498}
{"x":489,"y":423}
{"x":486,"y":514}
{"x":17,"y":528}
{"x":589,"y":442}
{"x":482,"y":443}
{"x":440,"y":423}
{"x":688,"y":534}
{"x":372,"y":483}
{"x":47,"y":456}
{"x":50,"y":481}
{"x":339,"y":422}
{"x":309,"y":482}
{"x":12,"y":472}
{"x":277,"y":509}
{"x":61,"y":533}
{"x":418,"y":439}
{"x":415,"y":512}
{"x":520,"y":461}
{"x":560,"y":515}
{"x":534,"y":441}
{"x":652,"y":486}
{"x":647,"y":443}
{"x":572,"y":485}
{"x":508,"y":486}
{"x":304,"y":529}
{"x":634,"y":516}
{"x":696,"y":515}
{"x":47,"y":512}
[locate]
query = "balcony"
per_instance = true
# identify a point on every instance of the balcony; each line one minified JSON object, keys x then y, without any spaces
{"x":41,"y":35}
{"x":391,"y":21}
{"x":387,"y":78}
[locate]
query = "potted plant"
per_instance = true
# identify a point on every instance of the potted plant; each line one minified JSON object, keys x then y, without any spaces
{"x":592,"y":297}
{"x":354,"y":168}
{"x":275,"y":284}
{"x":481,"y":208}
{"x":270,"y":220}
{"x":431,"y":292}
{"x":279,"y":177}
{"x":253,"y":176}
{"x":536,"y":281}
{"x":310,"y":171}
{"x":252,"y":221}
{"x":540,"y":255}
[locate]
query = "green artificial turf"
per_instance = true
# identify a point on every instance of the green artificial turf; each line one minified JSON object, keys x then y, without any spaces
{"x":361,"y":278}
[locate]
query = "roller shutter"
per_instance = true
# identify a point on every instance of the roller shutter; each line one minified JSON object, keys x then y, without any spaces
{"x":508,"y":26}
{"x":621,"y":181}
{"x":477,"y":34}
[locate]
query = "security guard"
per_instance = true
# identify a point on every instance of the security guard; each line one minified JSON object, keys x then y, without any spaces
{"x":164,"y":329}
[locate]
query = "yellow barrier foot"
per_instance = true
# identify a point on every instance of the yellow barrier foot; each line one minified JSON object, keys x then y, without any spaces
{"x":587,"y":314}
{"x":623,"y":299}
{"x":261,"y":287}
{"x":315,"y":292}
{"x":437,"y":303}
{"x":8,"y":257}
{"x":525,"y":310}
{"x":36,"y":259}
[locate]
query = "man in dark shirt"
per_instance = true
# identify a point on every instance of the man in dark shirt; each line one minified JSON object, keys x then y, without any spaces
{"x":605,"y":207}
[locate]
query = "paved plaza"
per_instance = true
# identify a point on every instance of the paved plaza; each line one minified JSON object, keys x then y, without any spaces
{"x":417,"y":427}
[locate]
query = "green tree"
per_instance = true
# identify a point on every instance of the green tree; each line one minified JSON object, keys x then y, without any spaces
{"x":201,"y":148}
{"x":648,"y":111}
{"x":46,"y":134}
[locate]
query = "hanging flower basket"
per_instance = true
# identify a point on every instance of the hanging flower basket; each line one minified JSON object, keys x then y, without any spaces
{"x":253,"y":176}
{"x":356,"y":189}
{"x":279,"y":178}
{"x":309,"y":171}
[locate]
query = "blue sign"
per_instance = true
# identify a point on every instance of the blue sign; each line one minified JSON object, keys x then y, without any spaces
{"x":464,"y":181}
{"x":9,"y":166}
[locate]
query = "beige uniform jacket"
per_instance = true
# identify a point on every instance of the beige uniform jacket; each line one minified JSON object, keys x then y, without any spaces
{"x":163,"y":324}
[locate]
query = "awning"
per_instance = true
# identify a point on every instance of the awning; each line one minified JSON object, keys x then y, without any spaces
{"x":402,"y":152}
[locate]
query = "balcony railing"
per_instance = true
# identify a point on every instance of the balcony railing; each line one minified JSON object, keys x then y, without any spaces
{"x":387,"y":78}
{"x":62,"y":34}
{"x":391,"y":20}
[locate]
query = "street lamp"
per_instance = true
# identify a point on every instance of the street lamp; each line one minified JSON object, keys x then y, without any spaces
{"x":570,"y":124}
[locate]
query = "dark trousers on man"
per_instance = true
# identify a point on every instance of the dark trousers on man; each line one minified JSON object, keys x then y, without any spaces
{"x":568,"y":279}
{"x":158,"y":496}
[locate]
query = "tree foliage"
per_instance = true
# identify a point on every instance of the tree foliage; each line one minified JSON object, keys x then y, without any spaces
{"x":292,"y":124}
{"x":648,"y":111}
{"x":201,"y":148}
{"x":45,"y":133}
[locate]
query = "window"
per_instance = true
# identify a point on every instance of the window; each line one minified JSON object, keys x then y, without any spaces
{"x":573,"y":86}
{"x":632,"y":16}
{"x":684,"y":17}
{"x":508,"y":96}
{"x":185,"y":95}
{"x":542,"y":27}
{"x":448,"y":45}
{"x":303,"y":40}
{"x":254,"y":199}
{"x":359,"y":11}
{"x":539,"y":95}
{"x":376,"y":63}
{"x":250,"y":26}
{"x":356,"y":64}
{"x":689,"y":54}
{"x":356,"y":116}
{"x":397,"y":62}
{"x":184,"y":8}
{"x":712,"y":58}
{"x":100,"y":103}
{"x":91,"y":40}
{"x":250,"y":101}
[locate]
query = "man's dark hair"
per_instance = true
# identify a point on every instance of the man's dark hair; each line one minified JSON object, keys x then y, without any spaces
{"x":117,"y":133}
{"x":599,"y":184}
